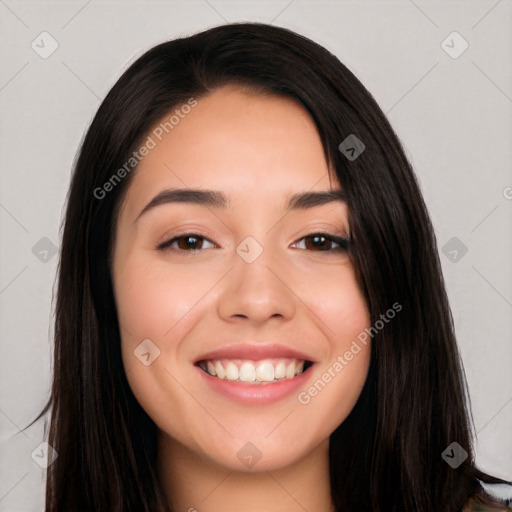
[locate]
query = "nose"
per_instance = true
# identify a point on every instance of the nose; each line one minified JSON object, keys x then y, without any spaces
{"x":257,"y":292}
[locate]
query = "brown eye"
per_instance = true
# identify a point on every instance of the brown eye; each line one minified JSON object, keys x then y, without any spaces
{"x":187,"y":242}
{"x":320,"y":242}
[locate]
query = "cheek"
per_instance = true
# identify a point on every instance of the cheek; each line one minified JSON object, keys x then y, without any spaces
{"x":153,"y":304}
{"x":341,"y":376}
{"x":337,"y":300}
{"x":151,"y":299}
{"x":157,"y":302}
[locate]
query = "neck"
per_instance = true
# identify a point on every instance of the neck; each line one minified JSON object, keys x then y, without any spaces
{"x":194,"y":483}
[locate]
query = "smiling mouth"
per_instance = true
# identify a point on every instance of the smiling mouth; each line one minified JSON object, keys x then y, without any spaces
{"x":246,"y":371}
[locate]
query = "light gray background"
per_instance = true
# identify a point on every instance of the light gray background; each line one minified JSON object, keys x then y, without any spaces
{"x":452,"y":115}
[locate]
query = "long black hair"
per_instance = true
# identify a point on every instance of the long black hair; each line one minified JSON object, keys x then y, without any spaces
{"x":386,"y":456}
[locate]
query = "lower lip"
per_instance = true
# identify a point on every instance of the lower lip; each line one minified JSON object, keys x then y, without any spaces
{"x":261,"y":394}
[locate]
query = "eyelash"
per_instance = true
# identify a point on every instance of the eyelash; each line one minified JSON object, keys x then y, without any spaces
{"x":344,"y":243}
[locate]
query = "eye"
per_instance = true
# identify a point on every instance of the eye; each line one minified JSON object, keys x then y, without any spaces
{"x":323,"y":242}
{"x":317,"y":242}
{"x":188,"y":242}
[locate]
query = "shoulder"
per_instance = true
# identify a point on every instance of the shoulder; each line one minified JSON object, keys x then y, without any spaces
{"x":490,"y":498}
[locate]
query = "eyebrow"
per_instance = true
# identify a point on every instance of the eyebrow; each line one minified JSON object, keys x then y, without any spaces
{"x":216,"y":199}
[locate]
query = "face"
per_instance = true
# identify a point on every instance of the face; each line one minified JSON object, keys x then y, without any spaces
{"x":240,"y":284}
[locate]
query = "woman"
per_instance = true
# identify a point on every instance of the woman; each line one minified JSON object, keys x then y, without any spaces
{"x":251,"y":313}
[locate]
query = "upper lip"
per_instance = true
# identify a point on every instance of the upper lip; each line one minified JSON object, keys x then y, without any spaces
{"x":254,"y":352}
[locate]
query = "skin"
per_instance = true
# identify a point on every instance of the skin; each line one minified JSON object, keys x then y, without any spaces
{"x":258,"y":150}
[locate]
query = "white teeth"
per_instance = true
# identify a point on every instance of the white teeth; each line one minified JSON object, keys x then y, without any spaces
{"x":219,"y":370}
{"x":279,"y":370}
{"x":290,"y":371}
{"x":247,"y":372}
{"x":231,"y":371}
{"x":264,"y":371}
{"x":211,"y":368}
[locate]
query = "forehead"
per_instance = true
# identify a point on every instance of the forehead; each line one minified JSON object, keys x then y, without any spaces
{"x":254,"y":147}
